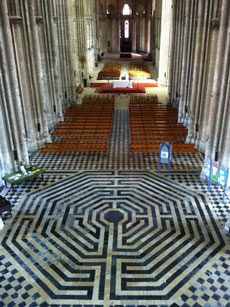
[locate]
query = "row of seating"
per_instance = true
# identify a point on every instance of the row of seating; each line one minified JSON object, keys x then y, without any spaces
{"x":154,"y":148}
{"x":152,"y":123}
{"x":110,"y":71}
{"x":86,"y":128}
{"x":98,"y":99}
{"x":146,"y":99}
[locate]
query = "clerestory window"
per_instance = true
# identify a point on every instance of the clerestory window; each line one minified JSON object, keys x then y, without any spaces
{"x":126,"y":10}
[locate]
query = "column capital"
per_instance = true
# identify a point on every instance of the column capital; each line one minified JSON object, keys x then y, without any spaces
{"x":55,"y":19}
{"x":15,"y":19}
{"x":215,"y":22}
{"x":39,"y":19}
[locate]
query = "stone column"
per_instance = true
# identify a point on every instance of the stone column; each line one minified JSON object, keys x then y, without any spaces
{"x":114,"y":35}
{"x":191,"y":51}
{"x":171,"y":82}
{"x":81,"y":26}
{"x":217,"y":86}
{"x":97,"y":30}
{"x":185,"y":62}
{"x":196,"y":75}
{"x":44,"y":52}
{"x":26,"y":91}
{"x":7,"y":162}
{"x":55,"y":59}
{"x":222,"y":116}
{"x":165,"y":41}
{"x":66,"y":67}
{"x":147,"y":33}
{"x":210,"y":77}
{"x":179,"y":35}
{"x":9,"y":72}
{"x":105,"y":39}
{"x":118,"y":34}
{"x":225,"y":134}
{"x":61,"y":45}
{"x":37,"y":71}
{"x":202,"y":83}
{"x":142,"y":34}
{"x":70,"y":72}
{"x":134,"y":34}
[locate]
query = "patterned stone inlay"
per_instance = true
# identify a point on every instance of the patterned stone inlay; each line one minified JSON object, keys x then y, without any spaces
{"x":116,"y":235}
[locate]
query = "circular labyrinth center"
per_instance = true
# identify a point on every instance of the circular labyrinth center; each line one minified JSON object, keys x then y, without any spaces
{"x":114,"y":216}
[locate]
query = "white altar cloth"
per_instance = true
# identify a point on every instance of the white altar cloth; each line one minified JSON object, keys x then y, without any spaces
{"x":122,"y":83}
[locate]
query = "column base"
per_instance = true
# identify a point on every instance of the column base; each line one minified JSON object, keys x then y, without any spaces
{"x":32,"y":145}
{"x":202,"y":145}
{"x":190,"y":140}
{"x":36,"y":145}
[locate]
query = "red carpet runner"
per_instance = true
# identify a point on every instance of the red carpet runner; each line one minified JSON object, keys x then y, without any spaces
{"x":106,"y":84}
{"x":137,"y":88}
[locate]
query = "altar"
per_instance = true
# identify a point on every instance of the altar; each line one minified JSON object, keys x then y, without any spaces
{"x":122,"y":84}
{"x":127,"y":88}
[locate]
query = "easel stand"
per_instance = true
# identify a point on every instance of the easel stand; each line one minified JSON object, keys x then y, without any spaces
{"x":165,"y":155}
{"x":218,"y":175}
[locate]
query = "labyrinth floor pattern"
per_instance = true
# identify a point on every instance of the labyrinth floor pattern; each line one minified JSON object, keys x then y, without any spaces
{"x":114,"y":238}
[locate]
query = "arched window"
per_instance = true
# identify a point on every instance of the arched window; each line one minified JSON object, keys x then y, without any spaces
{"x":126,"y":10}
{"x":126,"y":29}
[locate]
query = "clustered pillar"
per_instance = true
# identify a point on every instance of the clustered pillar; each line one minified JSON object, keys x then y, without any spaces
{"x":14,"y":147}
{"x":199,"y":74}
{"x":164,"y":43}
{"x":134,"y":35}
{"x":39,"y":70}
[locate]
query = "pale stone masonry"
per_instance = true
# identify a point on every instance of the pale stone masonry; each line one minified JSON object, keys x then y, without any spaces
{"x":199,"y":74}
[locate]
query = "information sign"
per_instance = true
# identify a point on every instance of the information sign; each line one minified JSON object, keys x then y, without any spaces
{"x":214,"y":174}
{"x":165,"y":154}
{"x":218,"y":175}
{"x":222,"y":177}
{"x":207,"y":169}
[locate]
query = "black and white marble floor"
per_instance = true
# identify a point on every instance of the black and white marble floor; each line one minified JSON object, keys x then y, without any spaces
{"x":109,"y":231}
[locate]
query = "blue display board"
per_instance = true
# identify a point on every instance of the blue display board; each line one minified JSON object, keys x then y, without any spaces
{"x":165,"y":155}
{"x":218,"y":175}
